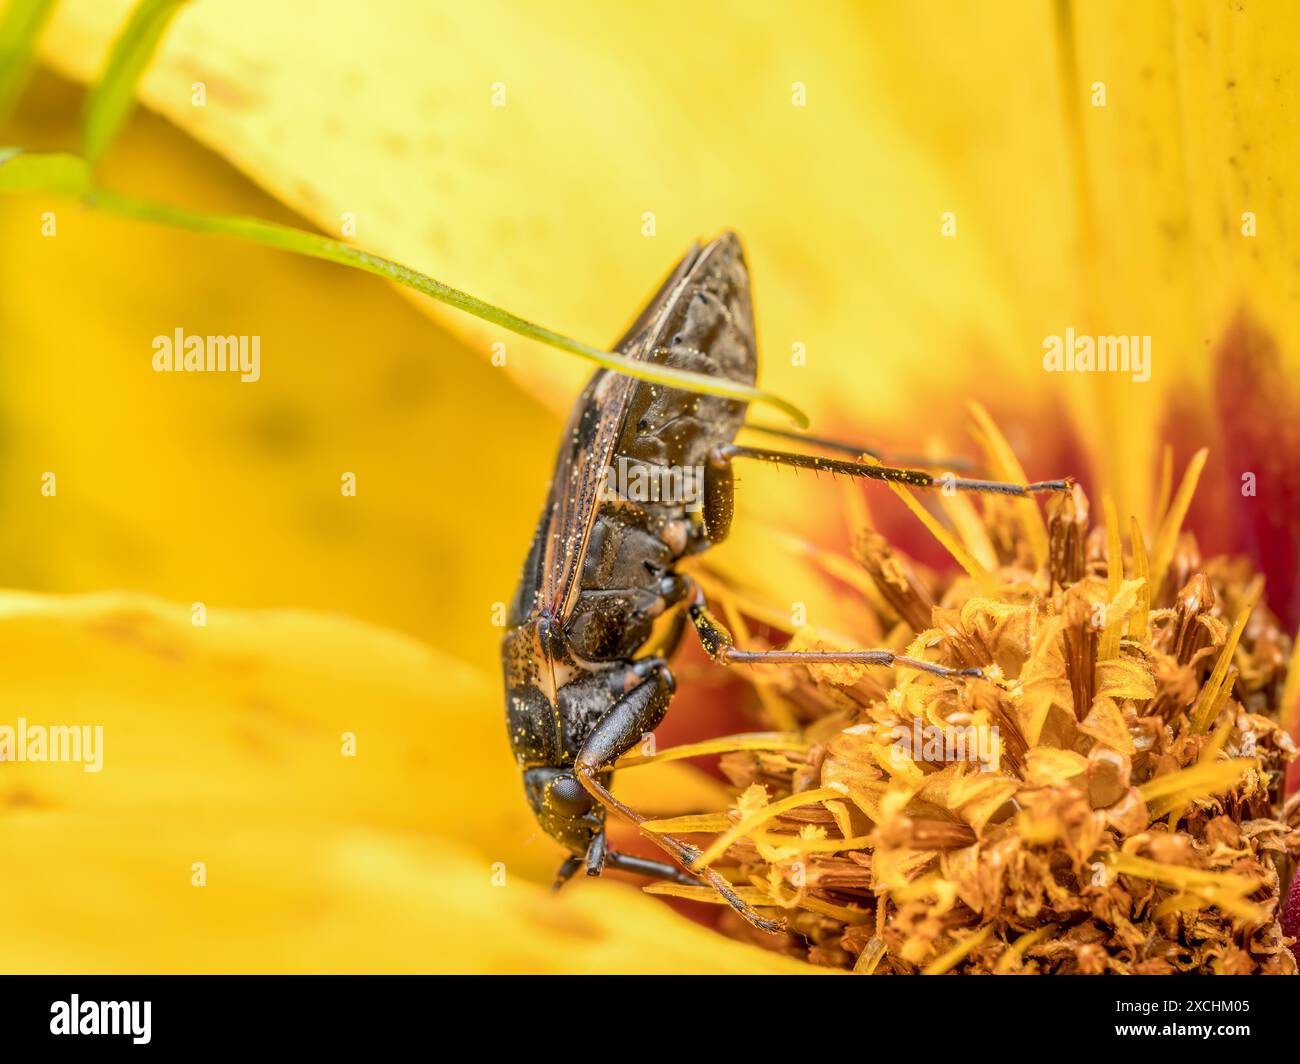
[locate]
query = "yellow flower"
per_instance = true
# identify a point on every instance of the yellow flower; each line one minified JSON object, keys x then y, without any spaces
{"x":230,"y":829}
{"x":557,"y":163}
{"x":1106,"y":797}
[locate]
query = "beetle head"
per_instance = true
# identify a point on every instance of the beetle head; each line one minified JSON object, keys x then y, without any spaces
{"x":563,"y":807}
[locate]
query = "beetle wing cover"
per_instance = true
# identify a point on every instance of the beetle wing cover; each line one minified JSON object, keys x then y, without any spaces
{"x":594,"y":429}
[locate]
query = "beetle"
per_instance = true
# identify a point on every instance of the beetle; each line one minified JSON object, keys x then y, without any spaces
{"x":582,"y":687}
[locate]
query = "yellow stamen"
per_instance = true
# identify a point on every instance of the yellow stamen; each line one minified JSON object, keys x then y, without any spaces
{"x":1208,"y":704}
{"x":1010,"y":960}
{"x":1004,"y":465}
{"x":1167,"y":539}
{"x":1209,"y":756}
{"x":728,"y":745}
{"x":1186,"y":785}
{"x":1166,"y":485}
{"x":787,"y":846}
{"x":970,"y":527}
{"x":760,"y":817}
{"x":686,"y":825}
{"x":856,"y":508}
{"x":870,"y":957}
{"x":1221,"y":885}
{"x":1109,"y":646}
{"x":947,"y":961}
{"x":1137,"y":624}
{"x":949,"y":542}
{"x":1197,"y":778}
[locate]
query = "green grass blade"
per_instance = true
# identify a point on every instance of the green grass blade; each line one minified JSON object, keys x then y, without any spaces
{"x":287,"y":238}
{"x":70,"y":175}
{"x":110,"y":100}
{"x":19,"y":29}
{"x":61,"y":174}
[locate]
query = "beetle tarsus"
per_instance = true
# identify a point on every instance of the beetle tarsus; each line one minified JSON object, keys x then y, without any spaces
{"x":566,"y":872}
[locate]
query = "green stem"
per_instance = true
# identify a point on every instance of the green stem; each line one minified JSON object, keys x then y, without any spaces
{"x":19,"y":29}
{"x":112,"y":97}
{"x":286,"y":238}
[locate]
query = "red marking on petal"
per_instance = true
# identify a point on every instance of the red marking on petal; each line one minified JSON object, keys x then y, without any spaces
{"x":1258,"y":408}
{"x":1259,"y":417}
{"x":1291,"y":910}
{"x":711,"y":702}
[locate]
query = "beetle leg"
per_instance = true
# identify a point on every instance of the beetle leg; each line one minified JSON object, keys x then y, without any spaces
{"x":856,"y":450}
{"x":914,"y":478}
{"x":637,"y":712}
{"x":596,"y":854}
{"x":626,"y":862}
{"x":566,"y":872}
{"x":719,"y":480}
{"x":720,"y":646}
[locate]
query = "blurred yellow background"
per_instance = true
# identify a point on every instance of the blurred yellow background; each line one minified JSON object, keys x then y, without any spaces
{"x":557,"y":160}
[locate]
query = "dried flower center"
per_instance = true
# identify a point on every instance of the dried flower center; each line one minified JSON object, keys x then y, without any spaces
{"x":1108,"y":799}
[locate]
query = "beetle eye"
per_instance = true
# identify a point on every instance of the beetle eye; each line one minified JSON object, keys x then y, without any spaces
{"x":568,"y":797}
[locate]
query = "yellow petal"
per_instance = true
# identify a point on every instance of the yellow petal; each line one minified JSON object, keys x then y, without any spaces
{"x":456,"y":140}
{"x":100,"y":893}
{"x":199,"y":487}
{"x":229,"y":744}
{"x":254,"y":716}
